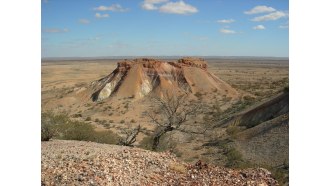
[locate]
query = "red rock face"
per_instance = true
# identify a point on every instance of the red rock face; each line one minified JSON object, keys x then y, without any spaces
{"x":139,"y":77}
{"x":193,"y":62}
{"x":153,"y":63}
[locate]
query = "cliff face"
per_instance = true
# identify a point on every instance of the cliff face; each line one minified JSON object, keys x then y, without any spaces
{"x":140,"y":77}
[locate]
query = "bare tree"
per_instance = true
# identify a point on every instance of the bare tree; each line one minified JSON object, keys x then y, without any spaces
{"x":130,"y":137}
{"x":171,"y":114}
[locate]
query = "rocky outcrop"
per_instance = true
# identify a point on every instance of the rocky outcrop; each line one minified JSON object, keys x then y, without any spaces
{"x":193,"y":62}
{"x":88,"y":163}
{"x":140,"y":77}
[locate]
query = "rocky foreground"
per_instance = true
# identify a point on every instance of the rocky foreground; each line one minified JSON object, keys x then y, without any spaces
{"x":88,"y":163}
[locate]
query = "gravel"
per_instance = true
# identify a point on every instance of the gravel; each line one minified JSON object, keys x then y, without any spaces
{"x":89,"y":163}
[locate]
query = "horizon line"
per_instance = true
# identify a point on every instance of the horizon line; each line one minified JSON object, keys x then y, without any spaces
{"x":156,"y":56}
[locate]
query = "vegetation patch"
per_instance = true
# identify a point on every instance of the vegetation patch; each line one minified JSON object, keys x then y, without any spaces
{"x":60,"y":126}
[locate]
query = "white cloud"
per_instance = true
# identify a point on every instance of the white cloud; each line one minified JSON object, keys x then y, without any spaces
{"x":98,"y":15}
{"x":226,"y":21}
{"x":150,"y":4}
{"x":179,"y":7}
{"x":284,"y":26}
{"x":260,"y":9}
{"x":271,"y":17}
{"x":155,"y":1}
{"x":55,"y":30}
{"x":114,"y":8}
{"x":226,"y":31}
{"x":259,"y":27}
{"x":84,"y":21}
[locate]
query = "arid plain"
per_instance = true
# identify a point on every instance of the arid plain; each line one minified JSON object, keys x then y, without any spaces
{"x":258,"y":81}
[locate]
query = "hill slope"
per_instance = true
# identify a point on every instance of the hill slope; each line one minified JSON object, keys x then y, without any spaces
{"x":87,"y":163}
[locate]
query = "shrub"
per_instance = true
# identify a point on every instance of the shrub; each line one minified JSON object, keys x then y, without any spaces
{"x":146,"y":143}
{"x":47,"y":132}
{"x":85,"y":132}
{"x":78,"y":115}
{"x":122,"y":121}
{"x":77,"y":131}
{"x":133,"y":121}
{"x":49,"y":121}
{"x":232,"y":130}
{"x":106,"y":125}
{"x":88,"y":118}
{"x":234,"y":158}
{"x":67,"y":129}
{"x":107,"y":137}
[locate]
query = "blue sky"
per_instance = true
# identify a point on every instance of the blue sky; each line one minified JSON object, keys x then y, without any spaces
{"x":94,"y":28}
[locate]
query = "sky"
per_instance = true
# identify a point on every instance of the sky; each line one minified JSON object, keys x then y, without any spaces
{"x":96,"y":28}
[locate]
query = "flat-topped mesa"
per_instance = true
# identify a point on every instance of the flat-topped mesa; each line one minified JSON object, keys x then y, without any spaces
{"x":144,"y":62}
{"x":139,"y":77}
{"x":154,"y":63}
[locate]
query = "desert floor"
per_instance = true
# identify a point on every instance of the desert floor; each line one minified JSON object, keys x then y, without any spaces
{"x":257,"y":78}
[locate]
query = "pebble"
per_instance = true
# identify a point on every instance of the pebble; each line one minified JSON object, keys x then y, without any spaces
{"x":119,"y":165}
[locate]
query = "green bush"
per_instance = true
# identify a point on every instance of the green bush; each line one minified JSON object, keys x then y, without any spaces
{"x":107,"y":137}
{"x":146,"y":143}
{"x":77,"y":131}
{"x":49,"y":121}
{"x":67,"y":129}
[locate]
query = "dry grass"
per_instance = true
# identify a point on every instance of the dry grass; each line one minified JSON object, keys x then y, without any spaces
{"x":178,"y":168}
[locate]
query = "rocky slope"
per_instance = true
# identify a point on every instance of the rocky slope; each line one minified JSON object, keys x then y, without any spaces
{"x":261,"y":132}
{"x":268,"y":110}
{"x":140,"y":77}
{"x":87,"y":163}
